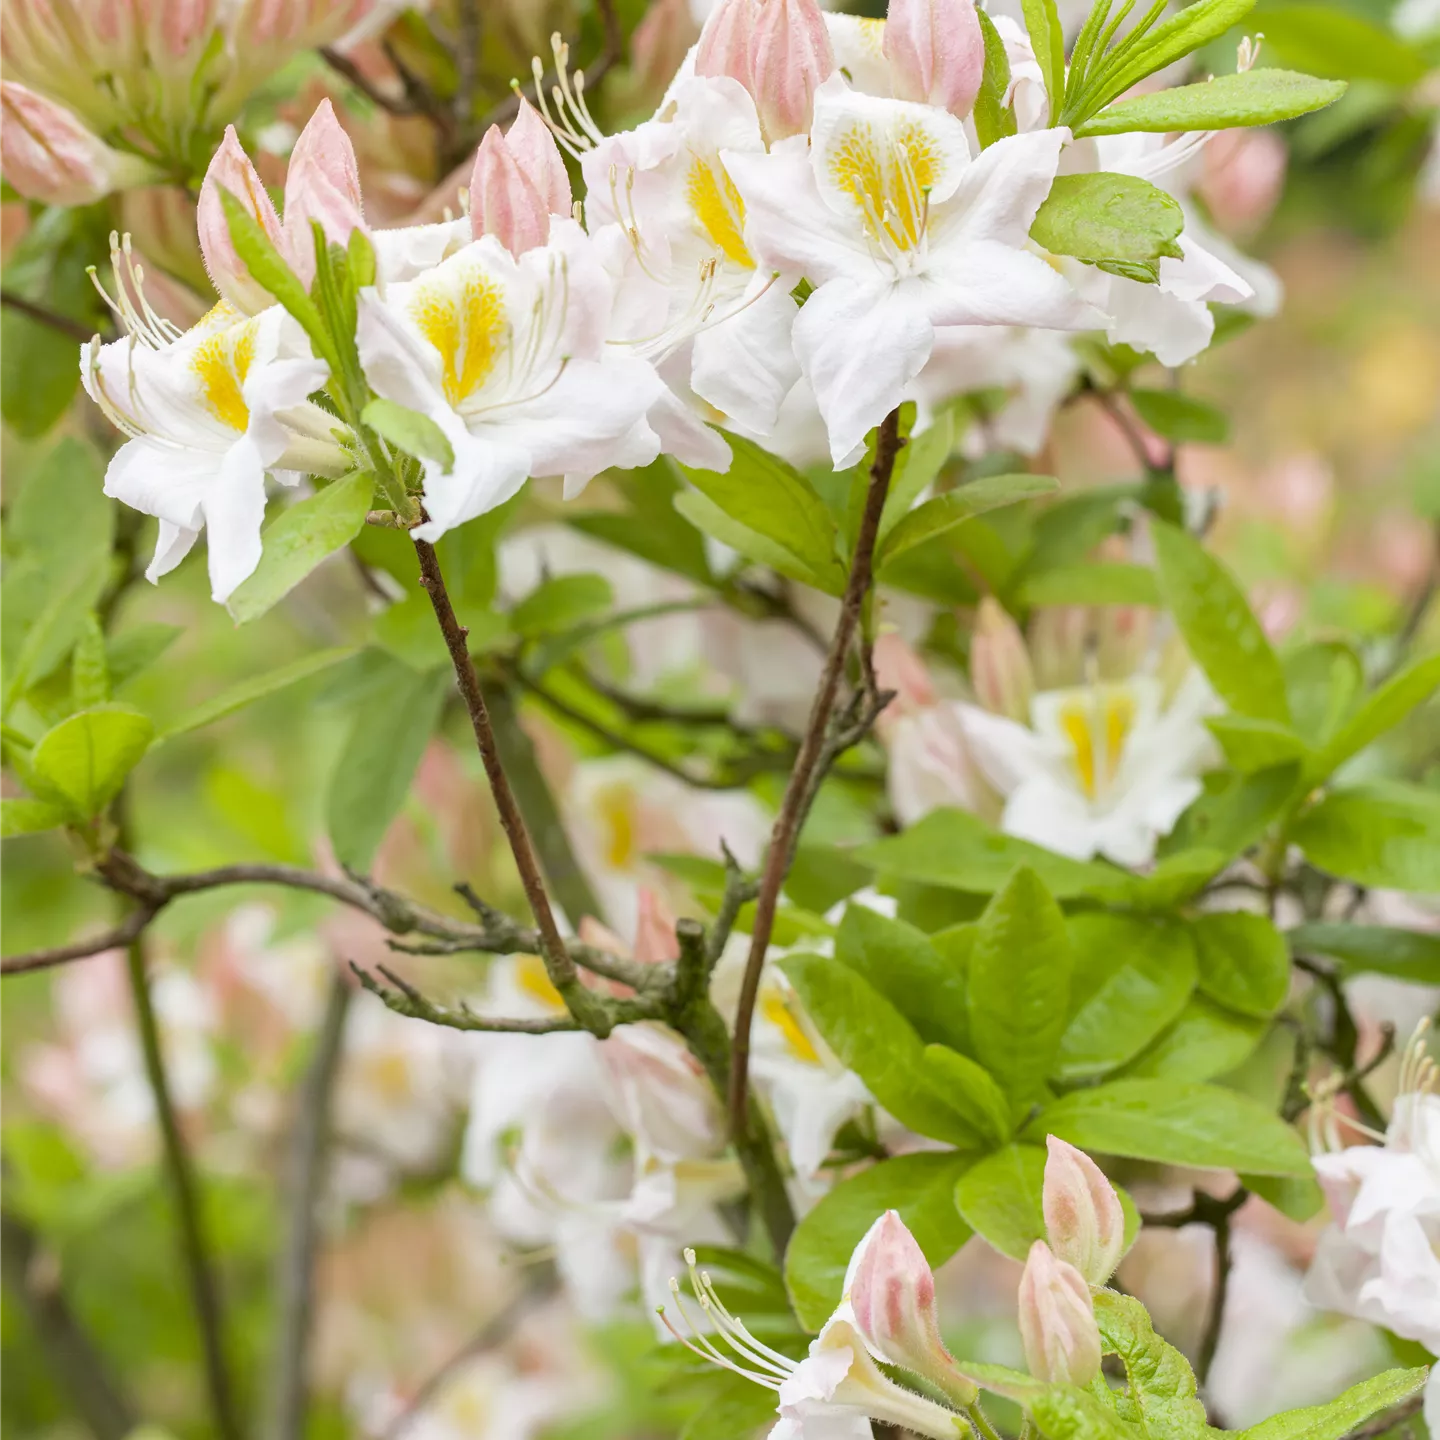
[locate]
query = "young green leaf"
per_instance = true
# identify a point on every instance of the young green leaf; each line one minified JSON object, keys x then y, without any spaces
{"x":706,"y":516}
{"x":1223,"y":635}
{"x":1162,"y":1389}
{"x":1381,"y":712}
{"x":301,"y":538}
{"x":1412,"y":955}
{"x":410,"y":431}
{"x":89,"y":674}
{"x":1207,"y":1040}
{"x":994,"y":119}
{"x":1180,"y":418}
{"x":948,"y":510}
{"x":1385,"y":835}
{"x":1342,"y":1415}
{"x":971,"y":1090}
{"x":29,"y":817}
{"x":1110,"y":220}
{"x":1233,"y":812}
{"x":256,"y":688}
{"x":1244,"y":964}
{"x":921,"y":1187}
{"x":1066,"y":1412}
{"x":1342,"y":44}
{"x":1000,"y":1198}
{"x":1253,"y":97}
{"x":1019,"y":986}
{"x":1252,"y":745}
{"x":1103,"y":582}
{"x":561,"y":603}
{"x":84,"y":760}
{"x":1047,"y":39}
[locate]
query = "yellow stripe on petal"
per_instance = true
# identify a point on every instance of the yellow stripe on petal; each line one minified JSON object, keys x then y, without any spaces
{"x":467,"y":328}
{"x":531,"y":977}
{"x":1075,"y":722}
{"x":775,"y":1006}
{"x":719,"y":210}
{"x":220,"y":363}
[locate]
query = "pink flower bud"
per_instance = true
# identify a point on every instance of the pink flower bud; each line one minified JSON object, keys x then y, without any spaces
{"x":231,"y":170}
{"x":322,"y":184}
{"x":727,"y":40}
{"x":1057,"y":1320}
{"x":540,"y":160}
{"x":892,"y":1295}
{"x":503,"y":202}
{"x":49,"y":155}
{"x":659,"y":45}
{"x":936,"y":52}
{"x":790,"y":59}
{"x":1244,"y":175}
{"x":1000,"y":664}
{"x":1083,"y":1217}
{"x":899,"y":668}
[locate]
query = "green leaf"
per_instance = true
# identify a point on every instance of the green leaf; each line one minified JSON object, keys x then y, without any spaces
{"x":1019,"y":986}
{"x":561,"y":603}
{"x":954,"y":506}
{"x":1178,"y":417}
{"x":1047,"y":39}
{"x":1175,"y":1124}
{"x":1233,"y":811}
{"x":1107,"y":218}
{"x":299,"y":539}
{"x":1341,"y":44}
{"x":1254,"y":97}
{"x":1222,"y":634}
{"x":373,"y":774}
{"x":1382,"y":711}
{"x":1161,"y":1395}
{"x":1342,"y":1415}
{"x":269,"y":270}
{"x":872,"y":1038}
{"x":89,"y":674}
{"x":959,"y":851}
{"x":248,"y":691}
{"x":921,"y":1187}
{"x":1387,"y":836}
{"x":84,"y":760}
{"x":1132,"y":978}
{"x":27,"y":817}
{"x":900,"y":962}
{"x":1252,"y":745}
{"x":1207,"y":1040}
{"x":62,"y":510}
{"x":410,"y":431}
{"x":1298,"y":1197}
{"x":708,"y":517}
{"x":650,"y":527}
{"x":764,"y":494}
{"x":136,"y":648}
{"x":1244,"y":964}
{"x":1105,"y":582}
{"x":993,"y":118}
{"x":1066,"y":1412}
{"x":1000,"y":1198}
{"x":969,"y":1089}
{"x":920,"y":460}
{"x":1410,"y":955}
{"x":1323,"y":680}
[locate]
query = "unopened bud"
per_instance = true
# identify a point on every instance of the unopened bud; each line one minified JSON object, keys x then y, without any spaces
{"x":1083,"y":1218}
{"x":659,"y":46}
{"x":1057,"y":1320}
{"x":936,"y":52}
{"x":538,"y":156}
{"x":231,"y":170}
{"x":1000,"y":664}
{"x":899,"y":668}
{"x":892,"y":1294}
{"x":322,"y":185}
{"x":503,"y":202}
{"x":790,"y":59}
{"x":49,"y":155}
{"x":727,"y":40}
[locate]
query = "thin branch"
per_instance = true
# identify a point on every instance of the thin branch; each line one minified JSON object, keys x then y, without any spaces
{"x":128,"y":930}
{"x":406,"y":1000}
{"x":1215,"y":1321}
{"x":803,"y":777}
{"x":76,"y":329}
{"x":343,"y":65}
{"x":739,"y":891}
{"x":194,"y":1248}
{"x":295,"y":1261}
{"x":76,"y":1365}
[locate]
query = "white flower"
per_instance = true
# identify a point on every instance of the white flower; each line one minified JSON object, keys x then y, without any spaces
{"x":209,"y":412}
{"x":900,"y":230}
{"x":507,"y":356}
{"x":691,"y":280}
{"x":1101,"y":769}
{"x":1380,"y":1261}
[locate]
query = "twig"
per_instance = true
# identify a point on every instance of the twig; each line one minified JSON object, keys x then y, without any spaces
{"x":1210,"y":1341}
{"x":343,"y":65}
{"x":785,"y":834}
{"x":78,"y":1368}
{"x":295,"y":1267}
{"x":75,"y":329}
{"x":406,"y":1000}
{"x":194,"y":1250}
{"x":122,"y":935}
{"x":558,"y":965}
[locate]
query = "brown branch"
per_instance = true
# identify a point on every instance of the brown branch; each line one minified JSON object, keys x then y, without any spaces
{"x":343,"y":65}
{"x":558,"y":964}
{"x":128,"y":930}
{"x":806,"y":773}
{"x":76,"y":329}
{"x":295,"y":1260}
{"x":406,"y":1000}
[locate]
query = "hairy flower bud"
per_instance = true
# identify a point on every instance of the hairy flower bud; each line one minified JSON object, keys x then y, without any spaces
{"x":892,"y":1295}
{"x":727,"y":40}
{"x":533,"y":146}
{"x":322,"y":185}
{"x":49,"y":155}
{"x":1057,"y":1320}
{"x":936,"y":52}
{"x":790,"y":59}
{"x":1083,"y":1217}
{"x":1000,"y":664}
{"x":231,"y":170}
{"x":518,"y":183}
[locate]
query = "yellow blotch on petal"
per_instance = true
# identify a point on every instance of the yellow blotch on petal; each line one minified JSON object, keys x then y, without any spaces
{"x":888,"y":177}
{"x":718,"y":208}
{"x":221,"y":363}
{"x":615,"y":808}
{"x":1097,"y":726}
{"x":467,"y":327}
{"x":775,"y":1006}
{"x":531,"y":977}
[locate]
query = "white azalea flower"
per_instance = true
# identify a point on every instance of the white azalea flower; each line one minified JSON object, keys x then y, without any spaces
{"x":900,"y":230}
{"x":1101,"y":769}
{"x":693,"y":284}
{"x":507,"y":356}
{"x":210,"y":412}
